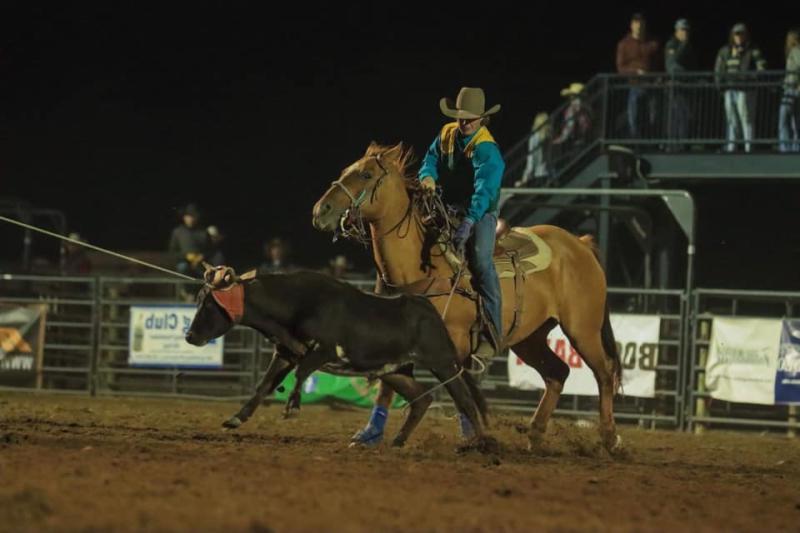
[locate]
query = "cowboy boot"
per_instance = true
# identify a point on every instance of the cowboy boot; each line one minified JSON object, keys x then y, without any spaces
{"x":488,"y":346}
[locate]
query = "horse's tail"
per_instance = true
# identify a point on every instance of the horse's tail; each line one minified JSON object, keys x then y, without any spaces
{"x":477,"y":395}
{"x":606,"y":333}
{"x":610,"y":347}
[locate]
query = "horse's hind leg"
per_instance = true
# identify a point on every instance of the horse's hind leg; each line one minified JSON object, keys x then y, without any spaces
{"x":590,"y":346}
{"x":535,"y":352}
{"x":414,"y":393}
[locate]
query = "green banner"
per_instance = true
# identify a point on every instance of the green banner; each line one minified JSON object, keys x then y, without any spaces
{"x":321,"y":387}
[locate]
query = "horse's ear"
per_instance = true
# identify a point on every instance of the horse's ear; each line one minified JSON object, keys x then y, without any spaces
{"x":373,"y":146}
{"x":395,"y":152}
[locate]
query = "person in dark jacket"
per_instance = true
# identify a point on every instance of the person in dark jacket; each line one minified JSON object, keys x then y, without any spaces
{"x":789,"y":111}
{"x":733,"y":60}
{"x":638,"y":55}
{"x":679,"y":58}
{"x":189,"y":243}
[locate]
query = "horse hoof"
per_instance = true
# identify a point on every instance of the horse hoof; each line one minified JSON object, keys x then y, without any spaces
{"x":535,"y":440}
{"x":483,"y":444}
{"x":369,"y":437}
{"x":398,"y":442}
{"x":232,"y":423}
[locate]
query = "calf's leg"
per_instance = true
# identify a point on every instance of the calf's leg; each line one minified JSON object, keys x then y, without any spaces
{"x":307,"y":365}
{"x":278,"y":368}
{"x":413,"y":392}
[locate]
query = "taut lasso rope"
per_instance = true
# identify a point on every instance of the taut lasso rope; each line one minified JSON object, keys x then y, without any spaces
{"x":97,"y":248}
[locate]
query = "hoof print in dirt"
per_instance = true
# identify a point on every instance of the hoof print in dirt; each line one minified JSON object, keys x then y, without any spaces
{"x":232,"y":423}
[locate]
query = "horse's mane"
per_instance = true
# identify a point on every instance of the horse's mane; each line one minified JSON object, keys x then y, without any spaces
{"x":405,"y":161}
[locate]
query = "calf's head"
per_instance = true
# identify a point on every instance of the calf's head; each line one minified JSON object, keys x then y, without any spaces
{"x":220,"y":306}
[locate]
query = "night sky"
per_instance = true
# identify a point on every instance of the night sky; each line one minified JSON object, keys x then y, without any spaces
{"x":118,"y":115}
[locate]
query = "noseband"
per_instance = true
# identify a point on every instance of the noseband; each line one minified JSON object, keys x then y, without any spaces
{"x":351,"y":224}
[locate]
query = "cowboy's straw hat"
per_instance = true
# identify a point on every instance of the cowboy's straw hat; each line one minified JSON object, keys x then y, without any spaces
{"x":574,"y":89}
{"x":470,"y":103}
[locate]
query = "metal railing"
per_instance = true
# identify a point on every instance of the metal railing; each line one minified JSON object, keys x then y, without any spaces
{"x":705,"y":411}
{"x":86,"y":350}
{"x":656,"y":112}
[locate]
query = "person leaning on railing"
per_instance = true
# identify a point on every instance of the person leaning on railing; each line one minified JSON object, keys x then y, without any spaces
{"x":735,"y":58}
{"x":679,"y":57}
{"x":789,"y":113}
{"x":637,"y":55}
{"x":535,"y":163}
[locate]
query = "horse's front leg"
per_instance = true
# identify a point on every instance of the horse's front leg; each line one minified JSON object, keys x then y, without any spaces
{"x":278,"y":368}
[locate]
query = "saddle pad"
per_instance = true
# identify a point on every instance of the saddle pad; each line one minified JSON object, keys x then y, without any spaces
{"x":533,"y":253}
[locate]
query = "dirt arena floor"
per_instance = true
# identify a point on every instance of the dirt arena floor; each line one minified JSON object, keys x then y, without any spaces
{"x":121,"y":464}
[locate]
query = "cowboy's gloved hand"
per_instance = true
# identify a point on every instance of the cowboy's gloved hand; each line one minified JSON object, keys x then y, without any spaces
{"x":428,"y":184}
{"x":462,"y":234}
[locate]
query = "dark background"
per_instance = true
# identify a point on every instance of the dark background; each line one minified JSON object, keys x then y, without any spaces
{"x":118,"y":115}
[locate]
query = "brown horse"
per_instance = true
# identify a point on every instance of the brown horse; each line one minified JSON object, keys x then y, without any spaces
{"x":571,"y":292}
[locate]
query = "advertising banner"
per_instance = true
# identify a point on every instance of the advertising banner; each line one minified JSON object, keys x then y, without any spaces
{"x":637,"y":342}
{"x":157,"y":338}
{"x":743,"y":359}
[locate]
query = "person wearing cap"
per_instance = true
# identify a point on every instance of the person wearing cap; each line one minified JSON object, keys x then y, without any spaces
{"x":637,"y":55}
{"x":735,"y":58}
{"x":679,"y":57}
{"x":576,"y":122}
{"x":189,"y":242}
{"x":535,"y":163}
{"x":466,"y":161}
{"x":789,"y":111}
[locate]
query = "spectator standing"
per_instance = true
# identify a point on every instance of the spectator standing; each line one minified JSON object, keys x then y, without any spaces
{"x":576,"y":122}
{"x":734,"y":59}
{"x":75,"y":261}
{"x":339,"y":267}
{"x":189,"y":242}
{"x":789,"y":113}
{"x":637,"y":55}
{"x":276,"y":257}
{"x":535,"y":163}
{"x":679,"y":58}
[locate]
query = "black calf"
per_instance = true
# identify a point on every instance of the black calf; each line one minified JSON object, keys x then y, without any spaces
{"x":321,"y":323}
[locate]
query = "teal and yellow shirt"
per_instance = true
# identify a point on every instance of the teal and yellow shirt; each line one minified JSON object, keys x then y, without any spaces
{"x":469,"y":168}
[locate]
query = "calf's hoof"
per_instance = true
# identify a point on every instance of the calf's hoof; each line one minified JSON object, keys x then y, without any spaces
{"x":232,"y":423}
{"x":398,"y":442}
{"x":291,"y":413}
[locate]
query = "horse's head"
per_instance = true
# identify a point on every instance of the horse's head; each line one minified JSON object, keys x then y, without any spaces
{"x":220,"y":305}
{"x":356,"y":192}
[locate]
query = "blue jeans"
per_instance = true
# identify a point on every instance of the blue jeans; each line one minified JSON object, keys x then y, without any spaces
{"x":636,"y":96}
{"x":480,"y":254}
{"x":679,"y":117}
{"x":739,"y":112}
{"x":789,"y":123}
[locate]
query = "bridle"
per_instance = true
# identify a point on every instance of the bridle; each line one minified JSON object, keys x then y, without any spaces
{"x":351,"y":223}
